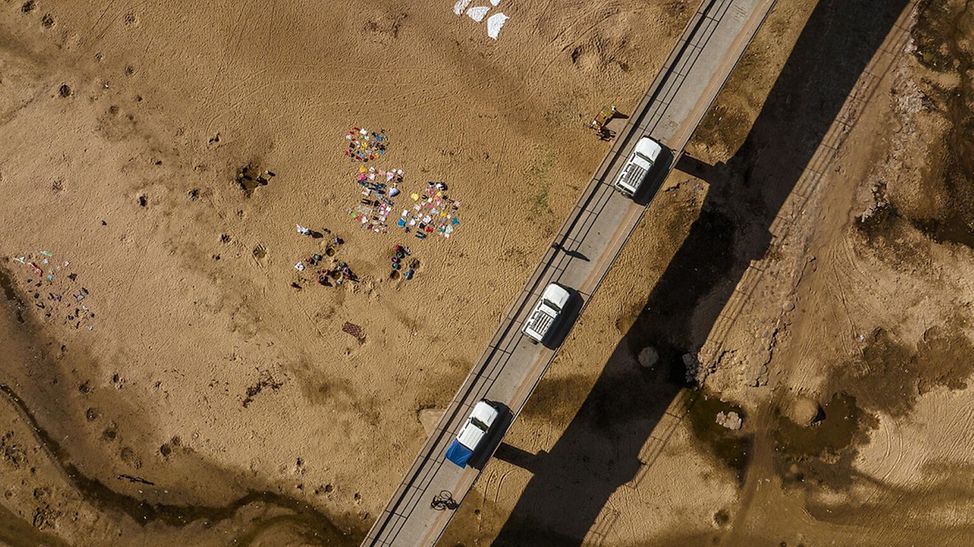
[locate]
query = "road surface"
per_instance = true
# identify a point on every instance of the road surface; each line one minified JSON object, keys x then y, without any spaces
{"x":579,"y":257}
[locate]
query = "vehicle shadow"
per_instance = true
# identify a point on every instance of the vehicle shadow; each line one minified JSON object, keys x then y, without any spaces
{"x":602,"y":448}
{"x":504,"y":419}
{"x":569,"y":315}
{"x":656,"y":178}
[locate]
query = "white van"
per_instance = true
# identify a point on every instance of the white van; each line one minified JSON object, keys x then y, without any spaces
{"x":637,"y":167}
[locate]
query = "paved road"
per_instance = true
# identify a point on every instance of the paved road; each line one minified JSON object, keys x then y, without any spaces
{"x":581,"y":254}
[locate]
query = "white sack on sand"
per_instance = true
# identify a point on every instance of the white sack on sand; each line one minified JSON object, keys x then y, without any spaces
{"x":478,"y":13}
{"x":460,"y":6}
{"x":494,"y":24}
{"x":495,"y":2}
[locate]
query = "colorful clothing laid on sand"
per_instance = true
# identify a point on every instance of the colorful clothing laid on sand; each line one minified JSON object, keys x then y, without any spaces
{"x":433,"y":213}
{"x":375,"y":203}
{"x":365,"y":145}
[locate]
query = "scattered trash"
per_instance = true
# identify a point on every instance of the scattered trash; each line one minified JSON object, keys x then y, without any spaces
{"x":364,"y":145}
{"x":299,"y":266}
{"x":47,"y":277}
{"x":355,"y":331}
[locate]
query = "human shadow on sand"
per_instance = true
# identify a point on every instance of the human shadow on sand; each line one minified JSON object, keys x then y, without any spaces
{"x":601,"y":449}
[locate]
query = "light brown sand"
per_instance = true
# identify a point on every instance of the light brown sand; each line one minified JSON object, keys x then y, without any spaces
{"x":155,"y":392}
{"x":187,"y":326}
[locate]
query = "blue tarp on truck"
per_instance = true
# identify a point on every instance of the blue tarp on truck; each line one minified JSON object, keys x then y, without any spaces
{"x":458,"y":454}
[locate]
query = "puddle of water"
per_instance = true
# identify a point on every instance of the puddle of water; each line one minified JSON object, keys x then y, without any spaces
{"x":823,"y":452}
{"x":730,"y":448}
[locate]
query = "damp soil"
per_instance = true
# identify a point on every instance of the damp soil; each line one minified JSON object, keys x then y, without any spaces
{"x":731,"y":448}
{"x":889,"y":374}
{"x":308,"y":521}
{"x":822,"y":453}
{"x":17,"y":532}
{"x":942,"y":35}
{"x":6,"y":283}
{"x":316,"y":524}
{"x":886,"y":378}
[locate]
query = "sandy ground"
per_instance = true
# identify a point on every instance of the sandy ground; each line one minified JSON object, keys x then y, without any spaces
{"x":206,"y":382}
{"x":211,"y":402}
{"x":833,"y":312}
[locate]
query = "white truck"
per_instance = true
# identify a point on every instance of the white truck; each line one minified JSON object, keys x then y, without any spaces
{"x":472,"y":434}
{"x":637,"y":167}
{"x":546,"y":312}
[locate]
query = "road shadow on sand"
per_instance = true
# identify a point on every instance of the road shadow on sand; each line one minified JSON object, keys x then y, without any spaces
{"x":601,"y":450}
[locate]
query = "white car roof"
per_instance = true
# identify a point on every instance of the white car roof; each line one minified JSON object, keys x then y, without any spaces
{"x":471,"y":435}
{"x":484,"y":412}
{"x":649,"y":148}
{"x":556,"y":295}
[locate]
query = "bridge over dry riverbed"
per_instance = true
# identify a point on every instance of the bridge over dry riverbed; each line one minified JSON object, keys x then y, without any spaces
{"x":580,"y":255}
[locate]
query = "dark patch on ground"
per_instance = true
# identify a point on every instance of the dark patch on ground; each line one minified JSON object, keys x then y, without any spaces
{"x":264,"y":381}
{"x":890,"y":375}
{"x":10,"y":293}
{"x":884,"y":229}
{"x":731,"y":448}
{"x":942,"y":35}
{"x":931,"y":35}
{"x":250,"y":177}
{"x":821,"y":454}
{"x":547,"y":401}
{"x":144,"y":512}
{"x":722,"y":125}
{"x":888,"y":378}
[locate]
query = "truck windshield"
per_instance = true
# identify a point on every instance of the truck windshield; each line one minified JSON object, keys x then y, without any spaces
{"x":551,"y":305}
{"x":480,"y":425}
{"x":644,"y":157}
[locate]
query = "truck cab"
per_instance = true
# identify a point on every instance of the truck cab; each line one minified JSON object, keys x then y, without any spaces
{"x":546,"y":312}
{"x":472,"y":434}
{"x":637,"y":166}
